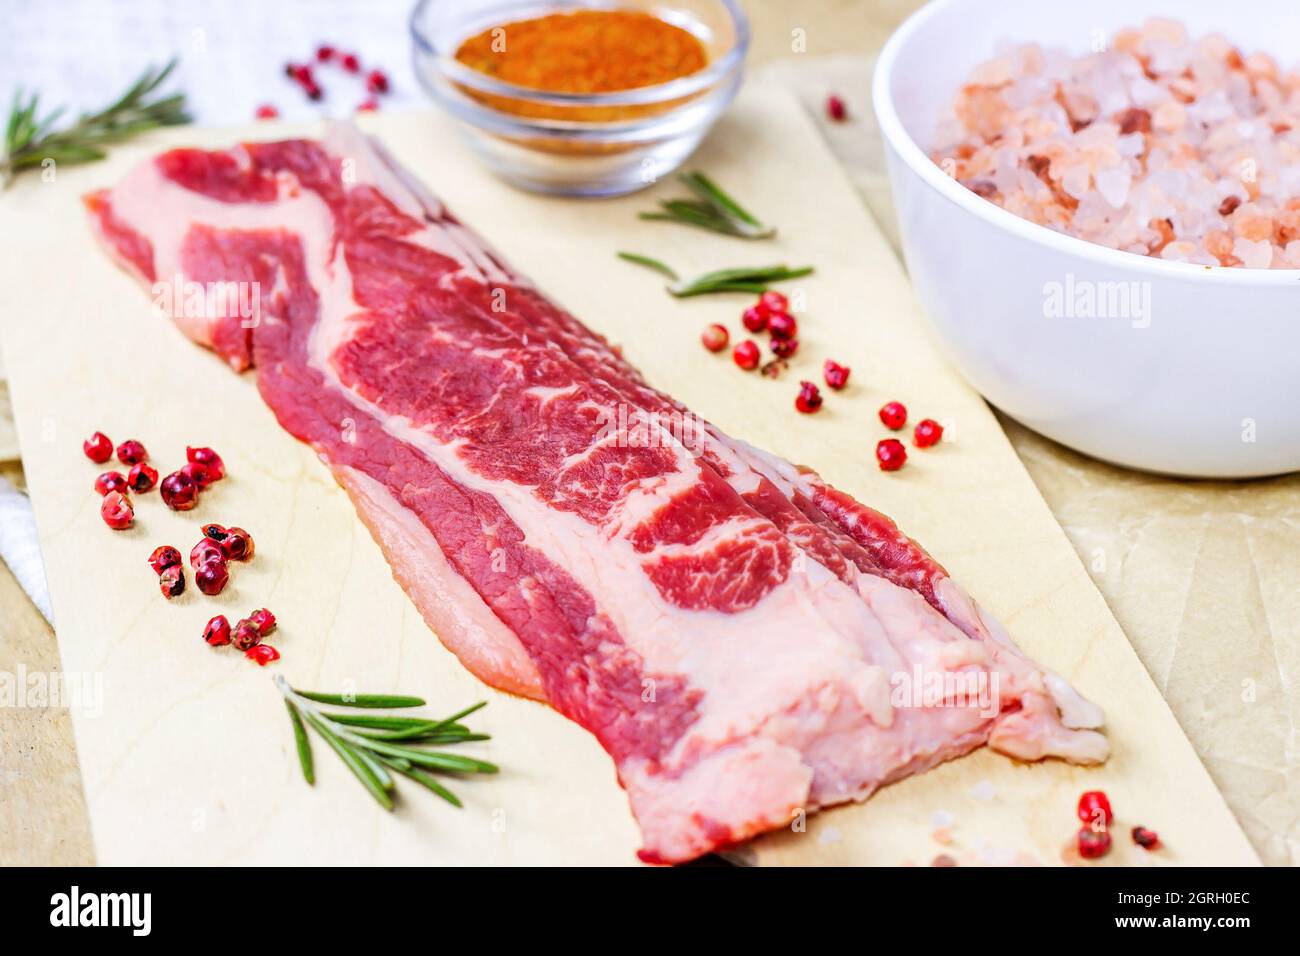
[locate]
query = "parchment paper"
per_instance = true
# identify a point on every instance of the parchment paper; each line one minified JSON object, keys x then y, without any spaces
{"x":189,"y":740}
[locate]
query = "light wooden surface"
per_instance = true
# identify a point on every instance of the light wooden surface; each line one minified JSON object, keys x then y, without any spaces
{"x":192,"y":762}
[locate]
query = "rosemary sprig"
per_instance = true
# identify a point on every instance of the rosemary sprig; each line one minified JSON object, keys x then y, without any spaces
{"x":753,"y":279}
{"x":712,"y":209}
{"x":29,"y":138}
{"x":371,"y":745}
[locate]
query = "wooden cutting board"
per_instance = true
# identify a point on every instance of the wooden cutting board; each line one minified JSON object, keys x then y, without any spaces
{"x":189,"y":757}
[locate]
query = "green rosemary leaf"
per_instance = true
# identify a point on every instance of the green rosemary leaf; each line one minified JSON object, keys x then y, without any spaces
{"x":751,"y":288}
{"x":378,"y":701}
{"x":454,"y":719}
{"x":402,"y":734}
{"x":360,"y":767}
{"x":649,"y":263}
{"x":425,"y":758}
{"x":383,"y":776}
{"x":745,"y":279}
{"x":302,"y":743}
{"x":376,"y":721}
{"x":30,"y":139}
{"x":426,"y":779}
{"x":711,"y":209}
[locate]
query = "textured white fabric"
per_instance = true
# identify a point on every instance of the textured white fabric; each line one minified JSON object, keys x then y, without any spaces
{"x":83,"y":53}
{"x":19,"y":547}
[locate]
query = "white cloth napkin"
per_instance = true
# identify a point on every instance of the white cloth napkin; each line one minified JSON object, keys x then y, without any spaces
{"x":20,"y":548}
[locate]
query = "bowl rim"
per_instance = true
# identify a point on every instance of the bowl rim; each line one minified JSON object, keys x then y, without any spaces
{"x":897,"y":137}
{"x":680,"y":88}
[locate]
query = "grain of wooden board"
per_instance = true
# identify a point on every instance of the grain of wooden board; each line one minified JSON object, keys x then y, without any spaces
{"x":192,"y":760}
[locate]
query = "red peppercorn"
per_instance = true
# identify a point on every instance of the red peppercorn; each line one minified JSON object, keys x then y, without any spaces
{"x":263,"y":653}
{"x":237,"y":545}
{"x":266,"y":111}
{"x":1092,"y":843}
{"x":264,"y":620}
{"x":216,"y":532}
{"x":1146,"y":839}
{"x":784,"y":348}
{"x":172,"y":582}
{"x":206,"y":550}
{"x":324,"y":53}
{"x":836,"y":109}
{"x":301,"y":74}
{"x":314,"y":92}
{"x":754,"y":318}
{"x":131,"y":452}
{"x":197,"y":473}
{"x":772,"y":302}
{"x":211,"y":577}
{"x":836,"y":375}
{"x":782,"y":325}
{"x":1094,"y":808}
{"x":351,"y":63}
{"x":893,"y":415}
{"x":210,"y":460}
{"x":245,"y":635}
{"x":891,"y":454}
{"x":217,"y":631}
{"x":116,"y":510}
{"x":179,"y":492}
{"x":164,"y":556}
{"x":377,"y":82}
{"x":142,"y":477}
{"x":98,"y":448}
{"x":111,"y":481}
{"x":715,"y":337}
{"x":368,"y":105}
{"x":809,"y":398}
{"x":746,"y":355}
{"x":927,"y":433}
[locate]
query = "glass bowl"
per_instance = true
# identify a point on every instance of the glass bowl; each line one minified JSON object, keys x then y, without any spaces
{"x":579,"y":144}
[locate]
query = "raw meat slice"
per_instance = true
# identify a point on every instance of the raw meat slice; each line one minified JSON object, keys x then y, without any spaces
{"x":745,"y":641}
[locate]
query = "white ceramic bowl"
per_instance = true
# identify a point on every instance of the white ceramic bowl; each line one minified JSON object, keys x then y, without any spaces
{"x":1206,"y":384}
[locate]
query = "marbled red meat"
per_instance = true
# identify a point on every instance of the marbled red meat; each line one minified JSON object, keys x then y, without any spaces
{"x":732,"y":630}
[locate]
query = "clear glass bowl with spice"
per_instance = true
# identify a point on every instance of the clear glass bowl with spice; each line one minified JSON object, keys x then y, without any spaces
{"x":582,"y":99}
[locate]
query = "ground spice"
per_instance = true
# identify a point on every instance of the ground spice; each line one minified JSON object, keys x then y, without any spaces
{"x":586,"y":51}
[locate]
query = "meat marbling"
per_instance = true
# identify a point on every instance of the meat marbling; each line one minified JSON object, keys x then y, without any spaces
{"x":738,"y":635}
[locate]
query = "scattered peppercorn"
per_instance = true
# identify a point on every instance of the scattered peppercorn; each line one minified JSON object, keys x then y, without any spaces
{"x":784,"y":348}
{"x":203,"y":552}
{"x":266,"y":112}
{"x":1146,"y":839}
{"x":116,"y":510}
{"x":210,"y":460}
{"x":927,"y":433}
{"x":263,"y":654}
{"x":377,"y":82}
{"x":98,"y":448}
{"x":351,"y":63}
{"x":1094,"y":808}
{"x":1093,"y":844}
{"x":746,"y":355}
{"x":715,"y":337}
{"x":324,"y":53}
{"x":782,"y":325}
{"x":368,"y":105}
{"x":772,"y":302}
{"x":217,"y":631}
{"x":172,"y":581}
{"x":131,"y":452}
{"x":111,"y":481}
{"x":893,"y":415}
{"x":237,"y":545}
{"x":891,"y":454}
{"x":164,"y":556}
{"x":179,"y":492}
{"x":264,"y":620}
{"x":142,"y":477}
{"x":754,"y":319}
{"x":211,"y":578}
{"x":196,"y":472}
{"x":245,"y":635}
{"x":809,"y":398}
{"x":836,"y":109}
{"x":836,"y":375}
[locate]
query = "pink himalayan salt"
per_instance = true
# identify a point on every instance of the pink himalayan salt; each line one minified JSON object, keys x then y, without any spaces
{"x":1160,"y":145}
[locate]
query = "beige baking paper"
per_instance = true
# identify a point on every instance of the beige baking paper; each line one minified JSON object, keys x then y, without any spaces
{"x":190,"y":759}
